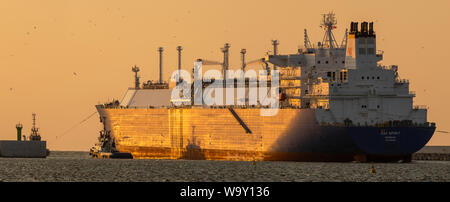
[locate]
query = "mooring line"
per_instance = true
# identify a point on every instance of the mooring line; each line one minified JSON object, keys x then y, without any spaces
{"x":73,"y":127}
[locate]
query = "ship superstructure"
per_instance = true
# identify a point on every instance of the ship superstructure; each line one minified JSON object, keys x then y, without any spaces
{"x":346,"y":82}
{"x":336,"y":103}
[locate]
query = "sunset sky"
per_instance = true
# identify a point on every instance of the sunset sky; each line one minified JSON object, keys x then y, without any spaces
{"x":59,"y":58}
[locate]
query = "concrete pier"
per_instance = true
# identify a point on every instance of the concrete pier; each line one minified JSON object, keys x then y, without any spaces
{"x":433,"y":153}
{"x":23,"y":149}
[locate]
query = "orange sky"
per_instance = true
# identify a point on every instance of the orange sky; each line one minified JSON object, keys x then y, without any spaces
{"x":42,"y":44}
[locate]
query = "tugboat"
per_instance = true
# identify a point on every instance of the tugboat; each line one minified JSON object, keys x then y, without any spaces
{"x":106,"y":148}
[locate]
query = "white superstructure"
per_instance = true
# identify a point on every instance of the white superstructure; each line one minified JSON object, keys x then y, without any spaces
{"x":347,"y":83}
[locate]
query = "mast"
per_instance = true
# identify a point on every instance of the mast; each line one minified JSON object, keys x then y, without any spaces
{"x":135,"y":69}
{"x":179,"y":48}
{"x":329,"y":23}
{"x":225,"y":65}
{"x":160,"y":50}
{"x":306,"y":41}
{"x":243,"y":51}
{"x":344,"y":40}
{"x":34,"y":130}
{"x":275,"y":50}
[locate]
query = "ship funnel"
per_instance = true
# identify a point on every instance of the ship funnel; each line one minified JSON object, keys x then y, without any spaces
{"x":353,"y":27}
{"x":364,"y":30}
{"x":160,"y":50}
{"x":371,"y":29}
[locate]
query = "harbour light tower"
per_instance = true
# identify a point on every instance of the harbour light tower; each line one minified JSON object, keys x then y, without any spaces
{"x":19,"y":127}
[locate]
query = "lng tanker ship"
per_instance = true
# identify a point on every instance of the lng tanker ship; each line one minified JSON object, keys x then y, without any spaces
{"x":334,"y":102}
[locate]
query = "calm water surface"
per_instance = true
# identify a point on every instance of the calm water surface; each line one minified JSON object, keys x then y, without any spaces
{"x":78,"y":166}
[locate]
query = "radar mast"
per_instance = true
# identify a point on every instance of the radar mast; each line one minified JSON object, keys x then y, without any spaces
{"x":328,"y":23}
{"x":35,"y":136}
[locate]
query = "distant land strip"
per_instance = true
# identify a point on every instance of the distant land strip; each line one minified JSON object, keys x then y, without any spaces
{"x":433,"y":153}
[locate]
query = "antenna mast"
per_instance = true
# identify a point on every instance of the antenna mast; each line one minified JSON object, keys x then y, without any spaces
{"x":34,"y":130}
{"x":306,"y":42}
{"x":344,"y":40}
{"x":329,"y":23}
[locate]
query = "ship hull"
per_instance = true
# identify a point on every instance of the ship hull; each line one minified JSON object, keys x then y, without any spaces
{"x":290,"y":135}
